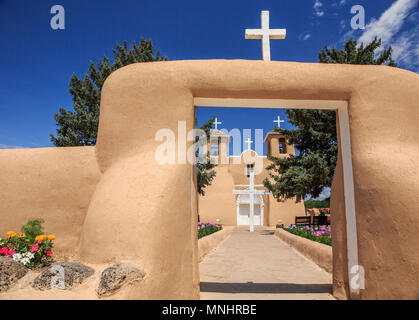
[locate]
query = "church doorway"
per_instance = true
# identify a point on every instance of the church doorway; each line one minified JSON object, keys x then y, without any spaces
{"x":243,"y":210}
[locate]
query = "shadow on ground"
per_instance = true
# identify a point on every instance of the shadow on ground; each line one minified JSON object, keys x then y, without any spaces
{"x":266,"y":232}
{"x":251,"y":287}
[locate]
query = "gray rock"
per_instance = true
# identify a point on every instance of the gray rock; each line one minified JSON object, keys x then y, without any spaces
{"x":116,"y":276}
{"x":10,"y":272}
{"x":64,"y":275}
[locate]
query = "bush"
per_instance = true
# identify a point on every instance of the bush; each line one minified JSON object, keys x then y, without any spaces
{"x":33,"y":249}
{"x":325,"y":203}
{"x":207,"y":228}
{"x":323,"y":235}
{"x":33,"y":228}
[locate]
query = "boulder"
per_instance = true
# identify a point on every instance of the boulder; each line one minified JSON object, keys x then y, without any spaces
{"x":10,"y":272}
{"x":116,"y":276}
{"x":62,"y":275}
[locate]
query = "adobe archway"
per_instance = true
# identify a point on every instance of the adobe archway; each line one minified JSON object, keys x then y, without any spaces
{"x":159,"y":230}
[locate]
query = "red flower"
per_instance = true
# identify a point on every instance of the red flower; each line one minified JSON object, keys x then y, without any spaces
{"x":7,"y":252}
{"x":48,"y":253}
{"x":35,"y":247}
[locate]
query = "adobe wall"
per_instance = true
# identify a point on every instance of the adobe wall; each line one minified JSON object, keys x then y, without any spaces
{"x":55,"y":184}
{"x":143,"y":212}
{"x":285,"y":211}
{"x":219,"y":202}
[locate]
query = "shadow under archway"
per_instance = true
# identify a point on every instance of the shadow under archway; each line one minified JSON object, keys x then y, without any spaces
{"x":251,"y":287}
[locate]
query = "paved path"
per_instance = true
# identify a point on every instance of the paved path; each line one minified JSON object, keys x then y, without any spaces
{"x":260,"y":266}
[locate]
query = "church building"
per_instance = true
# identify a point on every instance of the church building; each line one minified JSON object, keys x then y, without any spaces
{"x":228,"y":198}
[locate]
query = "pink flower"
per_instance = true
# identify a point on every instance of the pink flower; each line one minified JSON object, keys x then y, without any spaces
{"x":35,"y":247}
{"x":48,"y":253}
{"x":8,"y":252}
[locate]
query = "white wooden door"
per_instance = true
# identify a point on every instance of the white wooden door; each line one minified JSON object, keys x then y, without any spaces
{"x":244,"y":215}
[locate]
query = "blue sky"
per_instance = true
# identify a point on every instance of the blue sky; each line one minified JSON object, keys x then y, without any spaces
{"x":36,"y":62}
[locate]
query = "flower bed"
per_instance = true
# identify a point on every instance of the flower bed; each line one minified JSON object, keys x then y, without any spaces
{"x":323,"y":235}
{"x":206,"y":228}
{"x":31,"y":247}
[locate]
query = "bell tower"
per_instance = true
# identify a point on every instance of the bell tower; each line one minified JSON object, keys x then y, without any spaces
{"x":277,"y":145}
{"x":218,"y":145}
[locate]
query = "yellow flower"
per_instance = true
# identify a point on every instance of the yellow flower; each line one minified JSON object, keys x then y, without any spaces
{"x":41,"y":237}
{"x":27,"y":240}
{"x":22,"y":235}
{"x":10,"y":234}
{"x":51,"y":237}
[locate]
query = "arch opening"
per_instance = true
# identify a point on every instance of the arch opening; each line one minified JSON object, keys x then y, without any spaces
{"x":344,"y":173}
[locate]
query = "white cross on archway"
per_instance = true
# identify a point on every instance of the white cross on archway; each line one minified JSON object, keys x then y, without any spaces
{"x":249,"y":142}
{"x":279,"y":121}
{"x":216,"y":123}
{"x":265,"y":34}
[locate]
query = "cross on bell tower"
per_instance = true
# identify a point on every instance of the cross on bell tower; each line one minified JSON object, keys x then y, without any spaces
{"x":216,"y":123}
{"x":279,"y":121}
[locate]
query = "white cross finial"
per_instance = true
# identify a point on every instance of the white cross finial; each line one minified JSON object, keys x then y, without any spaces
{"x":265,"y":34}
{"x":249,"y":142}
{"x":216,"y":123}
{"x":279,"y":121}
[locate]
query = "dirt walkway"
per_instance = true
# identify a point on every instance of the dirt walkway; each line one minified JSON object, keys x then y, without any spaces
{"x":260,"y":266}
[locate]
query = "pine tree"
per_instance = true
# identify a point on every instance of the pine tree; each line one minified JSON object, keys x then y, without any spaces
{"x":79,"y":128}
{"x":309,"y":172}
{"x":204,"y":169}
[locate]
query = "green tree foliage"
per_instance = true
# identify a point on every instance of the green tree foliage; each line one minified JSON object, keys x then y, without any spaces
{"x":33,"y":228}
{"x":204,"y":168}
{"x":79,"y":127}
{"x":309,"y":204}
{"x":309,"y":172}
{"x":354,"y":54}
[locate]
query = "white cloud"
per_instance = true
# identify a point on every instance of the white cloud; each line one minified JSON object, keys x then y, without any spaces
{"x":342,"y":2}
{"x":405,"y":44}
{"x":317,"y":7}
{"x":406,"y":49}
{"x":389,"y":23}
{"x":325,"y":194}
{"x":304,"y":36}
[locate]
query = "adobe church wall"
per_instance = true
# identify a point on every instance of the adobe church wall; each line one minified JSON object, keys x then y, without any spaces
{"x":55,"y":184}
{"x":219,"y":202}
{"x":285,"y":211}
